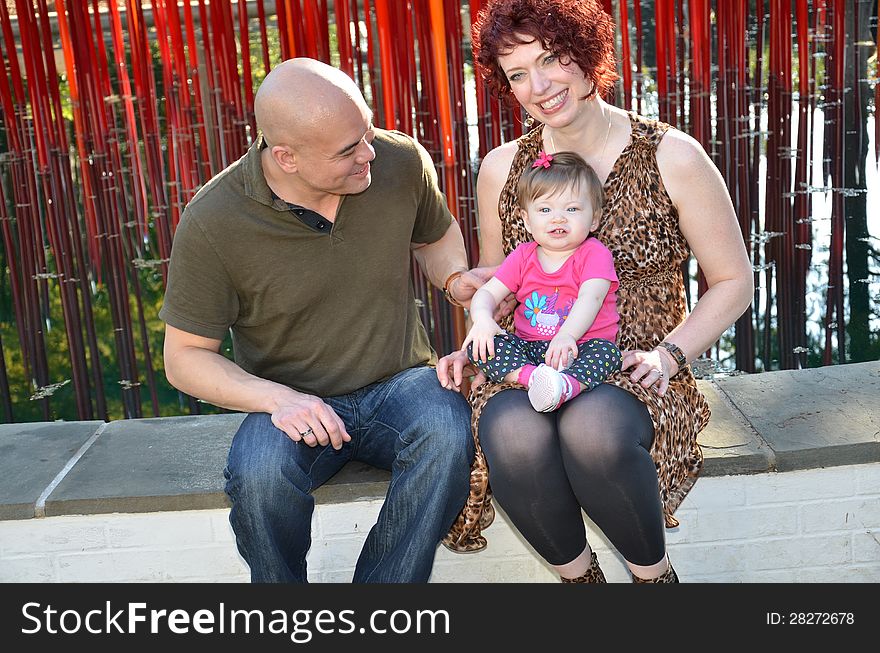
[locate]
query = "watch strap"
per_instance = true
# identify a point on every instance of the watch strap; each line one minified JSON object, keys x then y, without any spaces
{"x":676,"y":352}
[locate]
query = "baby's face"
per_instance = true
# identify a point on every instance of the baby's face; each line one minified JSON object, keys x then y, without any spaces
{"x":561,"y":221}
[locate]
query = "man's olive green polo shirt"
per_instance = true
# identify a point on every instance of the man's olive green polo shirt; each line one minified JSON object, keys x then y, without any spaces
{"x":325,"y":309}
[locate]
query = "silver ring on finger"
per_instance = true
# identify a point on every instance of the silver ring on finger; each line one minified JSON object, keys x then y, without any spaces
{"x":308,"y":431}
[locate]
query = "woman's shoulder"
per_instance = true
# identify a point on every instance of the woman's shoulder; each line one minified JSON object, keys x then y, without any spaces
{"x":679,"y":152}
{"x":495,"y":169}
{"x":498,"y":160}
{"x":506,"y":160}
{"x":663,"y":135}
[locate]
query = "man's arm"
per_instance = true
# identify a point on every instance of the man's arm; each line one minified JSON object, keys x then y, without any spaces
{"x":194,"y":365}
{"x":440,"y":259}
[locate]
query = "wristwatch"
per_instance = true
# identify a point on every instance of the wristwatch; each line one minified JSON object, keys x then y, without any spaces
{"x":676,"y":352}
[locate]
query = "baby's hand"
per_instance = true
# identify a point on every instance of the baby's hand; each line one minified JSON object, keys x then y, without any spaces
{"x":482,"y":335}
{"x":561,"y":352}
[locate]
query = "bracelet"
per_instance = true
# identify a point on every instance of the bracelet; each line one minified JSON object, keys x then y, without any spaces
{"x":676,"y":352}
{"x":446,"y":293}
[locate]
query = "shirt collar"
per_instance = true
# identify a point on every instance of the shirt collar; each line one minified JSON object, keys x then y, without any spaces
{"x":255,"y":186}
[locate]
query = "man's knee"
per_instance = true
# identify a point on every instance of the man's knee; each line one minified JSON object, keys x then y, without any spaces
{"x":259,"y":460}
{"x":444,"y":421}
{"x":447,"y":430}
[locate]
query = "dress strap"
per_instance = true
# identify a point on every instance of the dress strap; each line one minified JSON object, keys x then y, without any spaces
{"x":647,"y":130}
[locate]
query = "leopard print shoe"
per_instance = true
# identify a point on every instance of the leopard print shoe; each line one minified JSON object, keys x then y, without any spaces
{"x":668,"y":576}
{"x":593,"y":574}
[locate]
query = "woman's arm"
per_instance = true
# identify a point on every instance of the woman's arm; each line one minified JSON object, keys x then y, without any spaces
{"x":490,"y":181}
{"x":708,"y":222}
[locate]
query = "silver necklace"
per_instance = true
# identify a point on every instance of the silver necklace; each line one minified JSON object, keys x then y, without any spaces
{"x":604,"y":145}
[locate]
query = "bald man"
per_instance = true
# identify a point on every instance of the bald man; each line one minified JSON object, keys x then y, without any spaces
{"x":301,"y":249}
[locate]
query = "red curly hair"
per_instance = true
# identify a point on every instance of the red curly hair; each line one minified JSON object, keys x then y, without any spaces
{"x":575,"y":30}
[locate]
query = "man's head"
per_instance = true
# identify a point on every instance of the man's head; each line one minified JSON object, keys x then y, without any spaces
{"x":317,"y":126}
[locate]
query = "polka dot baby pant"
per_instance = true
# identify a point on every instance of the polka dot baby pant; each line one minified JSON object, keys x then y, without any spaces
{"x":597,"y":359}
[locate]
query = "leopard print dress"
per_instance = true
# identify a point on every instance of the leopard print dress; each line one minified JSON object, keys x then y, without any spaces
{"x":639,"y":225}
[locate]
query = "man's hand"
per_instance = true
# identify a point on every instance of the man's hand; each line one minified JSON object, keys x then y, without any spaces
{"x":307,"y":418}
{"x":464,"y":287}
{"x":505,"y":307}
{"x":454,"y":367}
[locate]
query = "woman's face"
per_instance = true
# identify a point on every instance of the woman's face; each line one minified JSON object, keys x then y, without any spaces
{"x":549,"y":91}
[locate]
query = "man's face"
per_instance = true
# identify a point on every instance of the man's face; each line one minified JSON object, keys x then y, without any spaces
{"x":336,"y":160}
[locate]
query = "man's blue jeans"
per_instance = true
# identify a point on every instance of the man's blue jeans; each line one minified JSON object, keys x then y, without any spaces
{"x":408,"y":424}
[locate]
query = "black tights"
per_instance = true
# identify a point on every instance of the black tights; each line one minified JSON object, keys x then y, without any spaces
{"x":592,"y":453}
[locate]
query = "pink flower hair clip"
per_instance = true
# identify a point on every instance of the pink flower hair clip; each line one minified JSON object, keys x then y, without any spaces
{"x":543,"y":159}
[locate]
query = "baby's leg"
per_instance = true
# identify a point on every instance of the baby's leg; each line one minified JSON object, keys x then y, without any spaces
{"x":597,"y":359}
{"x":507,"y":363}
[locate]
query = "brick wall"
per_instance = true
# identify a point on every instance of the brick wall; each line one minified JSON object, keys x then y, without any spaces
{"x":819,"y":525}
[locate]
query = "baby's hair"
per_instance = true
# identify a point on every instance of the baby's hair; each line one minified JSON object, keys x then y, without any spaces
{"x":566,"y":170}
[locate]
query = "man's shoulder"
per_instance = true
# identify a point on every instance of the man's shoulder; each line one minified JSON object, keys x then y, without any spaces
{"x":401,"y":147}
{"x":220,"y":193}
{"x":401,"y":162}
{"x":395,"y":139}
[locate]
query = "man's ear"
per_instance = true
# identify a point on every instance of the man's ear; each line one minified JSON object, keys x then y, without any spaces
{"x":285,"y":158}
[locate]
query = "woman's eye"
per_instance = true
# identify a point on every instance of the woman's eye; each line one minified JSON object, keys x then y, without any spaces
{"x":515,"y":77}
{"x":550,"y":58}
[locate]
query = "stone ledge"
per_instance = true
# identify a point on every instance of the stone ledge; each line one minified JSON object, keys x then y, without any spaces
{"x":775,"y":421}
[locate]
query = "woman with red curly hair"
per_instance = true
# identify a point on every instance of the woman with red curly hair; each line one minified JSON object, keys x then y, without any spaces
{"x":625,"y":453}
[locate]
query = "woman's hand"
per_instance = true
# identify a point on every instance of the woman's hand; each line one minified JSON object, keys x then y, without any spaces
{"x":454,"y":367}
{"x":651,"y":369}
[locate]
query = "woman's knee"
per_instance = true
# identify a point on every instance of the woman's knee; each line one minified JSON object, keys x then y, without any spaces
{"x":609,"y":424}
{"x":510,"y":429}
